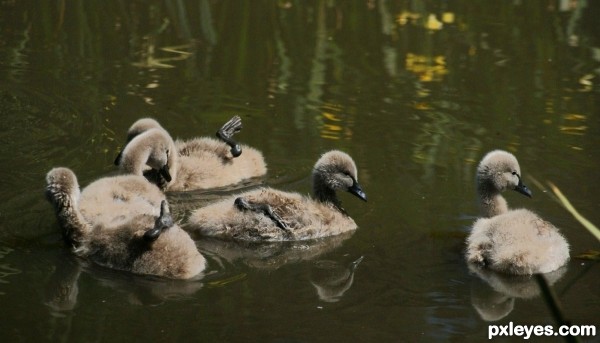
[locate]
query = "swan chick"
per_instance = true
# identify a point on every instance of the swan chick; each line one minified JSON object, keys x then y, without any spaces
{"x":199,"y":163}
{"x":267,"y":214}
{"x":124,"y":223}
{"x":511,"y":241}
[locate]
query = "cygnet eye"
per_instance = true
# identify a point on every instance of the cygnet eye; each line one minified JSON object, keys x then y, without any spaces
{"x":514,"y":173}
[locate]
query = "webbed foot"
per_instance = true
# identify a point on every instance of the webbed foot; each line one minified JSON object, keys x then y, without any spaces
{"x":226,"y":132}
{"x":245,"y":205}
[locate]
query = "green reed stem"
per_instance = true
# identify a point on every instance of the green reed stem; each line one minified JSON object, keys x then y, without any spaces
{"x":566,"y":204}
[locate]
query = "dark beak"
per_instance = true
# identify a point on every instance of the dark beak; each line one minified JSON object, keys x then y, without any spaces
{"x":164,"y":172}
{"x":163,"y":222}
{"x":356,"y":190}
{"x":118,"y":159}
{"x":521,"y":188}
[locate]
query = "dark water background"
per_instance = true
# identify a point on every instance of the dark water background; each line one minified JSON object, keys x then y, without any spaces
{"x":416,"y":91}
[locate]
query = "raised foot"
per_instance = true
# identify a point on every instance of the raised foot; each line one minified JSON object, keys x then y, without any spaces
{"x":163,"y":222}
{"x":226,"y":132}
{"x":244,"y":205}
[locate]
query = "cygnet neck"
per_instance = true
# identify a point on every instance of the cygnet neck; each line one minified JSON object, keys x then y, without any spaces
{"x":137,"y":154}
{"x":135,"y":161}
{"x":323,"y":193}
{"x":490,"y":200}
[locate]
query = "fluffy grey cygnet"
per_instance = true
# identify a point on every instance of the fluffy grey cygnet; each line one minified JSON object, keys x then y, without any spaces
{"x":198,"y":163}
{"x":122,"y":222}
{"x":267,"y":214}
{"x":511,"y":241}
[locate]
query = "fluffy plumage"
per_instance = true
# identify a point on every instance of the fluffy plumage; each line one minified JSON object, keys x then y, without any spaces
{"x":110,"y":220}
{"x":511,"y":241}
{"x":198,"y":163}
{"x":273,"y":215}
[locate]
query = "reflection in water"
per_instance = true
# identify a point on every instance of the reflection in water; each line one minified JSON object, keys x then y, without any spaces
{"x":62,"y":289}
{"x":495,"y":297}
{"x":330,"y":121}
{"x":428,"y":68}
{"x":6,"y":269}
{"x":269,"y":255}
{"x":142,"y":290}
{"x":16,"y":57}
{"x":429,"y":83}
{"x":445,"y":141}
{"x":149,"y":59}
{"x":332,"y":279}
{"x":574,"y":124}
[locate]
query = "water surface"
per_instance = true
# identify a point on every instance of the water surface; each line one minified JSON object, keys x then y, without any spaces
{"x":415,"y":91}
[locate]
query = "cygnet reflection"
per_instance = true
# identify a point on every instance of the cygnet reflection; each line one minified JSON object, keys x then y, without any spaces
{"x":332,"y":279}
{"x":269,"y":255}
{"x":493,"y":294}
{"x":62,"y":289}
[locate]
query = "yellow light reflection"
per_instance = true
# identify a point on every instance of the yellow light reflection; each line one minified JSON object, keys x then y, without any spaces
{"x":333,"y":126}
{"x":574,"y":116}
{"x":422,"y":106}
{"x":406,"y":16}
{"x":330,"y":116}
{"x":448,"y":17}
{"x":573,"y":130}
{"x":428,"y":68}
{"x":428,"y":21}
{"x":433,"y":23}
{"x":575,"y":124}
{"x":149,"y":59}
{"x":586,"y":82}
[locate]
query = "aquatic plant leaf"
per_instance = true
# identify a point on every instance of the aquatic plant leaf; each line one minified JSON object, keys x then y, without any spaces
{"x":593,"y":255}
{"x":566,"y":204}
{"x":223,"y":282}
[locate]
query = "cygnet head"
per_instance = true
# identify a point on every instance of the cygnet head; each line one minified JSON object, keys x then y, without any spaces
{"x":141,"y":126}
{"x":335,"y":170}
{"x":498,"y":171}
{"x":137,"y":128}
{"x":154,"y":148}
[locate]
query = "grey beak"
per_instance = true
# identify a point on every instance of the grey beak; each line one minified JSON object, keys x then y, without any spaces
{"x":521,"y":188}
{"x":164,"y":172}
{"x":356,"y":190}
{"x":162,"y":223}
{"x":118,"y":159}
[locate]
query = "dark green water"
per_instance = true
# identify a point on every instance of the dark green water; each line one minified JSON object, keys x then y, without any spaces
{"x":416,"y":91}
